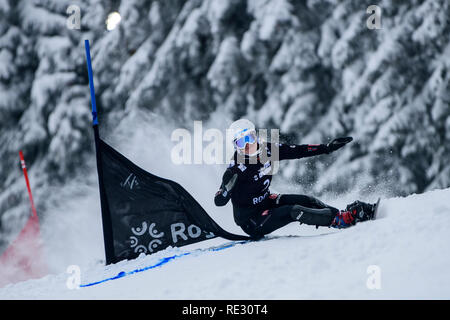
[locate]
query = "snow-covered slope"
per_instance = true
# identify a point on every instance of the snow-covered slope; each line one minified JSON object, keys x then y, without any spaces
{"x":409,"y":246}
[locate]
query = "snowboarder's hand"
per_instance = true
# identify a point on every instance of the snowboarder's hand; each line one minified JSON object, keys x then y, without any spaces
{"x":338,"y":143}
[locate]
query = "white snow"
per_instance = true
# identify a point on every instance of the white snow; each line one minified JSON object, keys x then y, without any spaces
{"x":405,"y":110}
{"x":409,"y":245}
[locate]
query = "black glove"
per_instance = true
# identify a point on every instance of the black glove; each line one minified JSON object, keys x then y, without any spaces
{"x":338,"y":143}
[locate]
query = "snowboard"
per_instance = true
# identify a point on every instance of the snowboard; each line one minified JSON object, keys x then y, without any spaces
{"x":377,"y":205}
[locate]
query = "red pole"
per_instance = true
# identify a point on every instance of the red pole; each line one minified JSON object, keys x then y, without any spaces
{"x":25,"y":173}
{"x":23,"y":258}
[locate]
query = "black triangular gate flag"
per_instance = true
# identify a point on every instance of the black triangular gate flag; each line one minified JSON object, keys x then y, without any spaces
{"x":143,"y":213}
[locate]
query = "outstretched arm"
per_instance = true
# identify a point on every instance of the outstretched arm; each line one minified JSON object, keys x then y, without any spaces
{"x":310,"y":150}
{"x":224,"y":194}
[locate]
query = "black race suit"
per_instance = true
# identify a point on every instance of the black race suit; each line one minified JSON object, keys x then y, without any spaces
{"x":255,"y":209}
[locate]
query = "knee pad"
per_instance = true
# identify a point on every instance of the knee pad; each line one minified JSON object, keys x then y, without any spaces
{"x":310,"y":216}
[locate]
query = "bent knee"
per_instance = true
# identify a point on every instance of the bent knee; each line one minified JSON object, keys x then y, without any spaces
{"x":253,"y":232}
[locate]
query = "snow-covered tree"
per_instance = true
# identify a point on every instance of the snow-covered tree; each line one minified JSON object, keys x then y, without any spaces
{"x":310,"y":68}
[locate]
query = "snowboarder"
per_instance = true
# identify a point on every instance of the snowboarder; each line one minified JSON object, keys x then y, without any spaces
{"x":247,"y":179}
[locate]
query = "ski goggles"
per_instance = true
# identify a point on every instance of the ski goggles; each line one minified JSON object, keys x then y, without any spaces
{"x":242,"y":141}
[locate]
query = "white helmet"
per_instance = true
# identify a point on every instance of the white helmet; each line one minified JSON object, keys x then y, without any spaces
{"x":241,"y":128}
{"x":242,"y":132}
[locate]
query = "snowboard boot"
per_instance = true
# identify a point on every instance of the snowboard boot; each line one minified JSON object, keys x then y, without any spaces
{"x":357,"y":211}
{"x":361,"y":210}
{"x":343,"y":219}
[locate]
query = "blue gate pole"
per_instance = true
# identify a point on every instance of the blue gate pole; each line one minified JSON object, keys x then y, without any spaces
{"x":106,"y":216}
